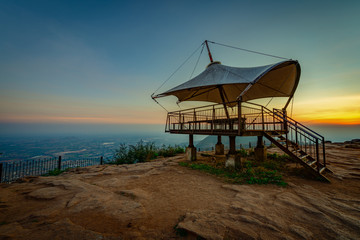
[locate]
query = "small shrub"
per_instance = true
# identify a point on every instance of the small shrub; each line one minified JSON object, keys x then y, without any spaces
{"x":141,"y":152}
{"x":169,"y":151}
{"x":242,"y":152}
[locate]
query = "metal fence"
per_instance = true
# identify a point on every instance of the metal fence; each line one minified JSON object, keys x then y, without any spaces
{"x":12,"y":170}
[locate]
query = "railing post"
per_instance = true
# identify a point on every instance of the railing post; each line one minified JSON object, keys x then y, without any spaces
{"x":262,"y":118}
{"x":194,"y":120}
{"x":167,"y":122}
{"x":317,"y":155}
{"x":59,"y":163}
{"x":213,"y":118}
{"x":296,"y":133}
{"x":323,"y":143}
{"x":101,"y":160}
{"x":239,"y":118}
{"x":273,"y":115}
{"x":1,"y":170}
{"x":285,"y":120}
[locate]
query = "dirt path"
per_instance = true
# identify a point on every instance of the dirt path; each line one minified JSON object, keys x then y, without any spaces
{"x":146,"y":201}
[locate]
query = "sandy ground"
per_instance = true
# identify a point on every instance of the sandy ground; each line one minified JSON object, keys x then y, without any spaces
{"x":146,"y":201}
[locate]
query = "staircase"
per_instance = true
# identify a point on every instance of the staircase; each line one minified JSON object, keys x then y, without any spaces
{"x":301,"y":143}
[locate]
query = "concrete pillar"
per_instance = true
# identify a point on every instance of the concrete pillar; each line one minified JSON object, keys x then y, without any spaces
{"x":234,"y":161}
{"x":231,"y":160}
{"x":219,"y":147}
{"x":190,"y":151}
{"x":260,"y":150}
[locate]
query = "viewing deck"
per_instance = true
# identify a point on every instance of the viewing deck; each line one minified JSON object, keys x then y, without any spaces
{"x":248,"y":119}
{"x":251,"y":120}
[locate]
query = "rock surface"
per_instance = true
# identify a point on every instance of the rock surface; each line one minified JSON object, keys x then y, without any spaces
{"x":146,"y":201}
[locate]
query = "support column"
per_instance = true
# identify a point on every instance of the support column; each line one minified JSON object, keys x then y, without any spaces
{"x":231,"y":160}
{"x":232,"y":149}
{"x":260,"y":150}
{"x":190,"y":151}
{"x":219,"y":147}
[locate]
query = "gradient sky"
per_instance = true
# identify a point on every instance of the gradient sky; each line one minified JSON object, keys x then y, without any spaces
{"x":98,"y":62}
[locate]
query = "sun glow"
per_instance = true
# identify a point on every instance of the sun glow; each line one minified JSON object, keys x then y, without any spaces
{"x":335,"y":110}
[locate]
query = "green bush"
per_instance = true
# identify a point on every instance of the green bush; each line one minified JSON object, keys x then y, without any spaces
{"x":169,"y":151}
{"x":243,"y":152}
{"x":141,"y":152}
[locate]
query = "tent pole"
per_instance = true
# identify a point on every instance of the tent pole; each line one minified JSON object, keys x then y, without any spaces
{"x":223,"y":100}
{"x":207,"y":46}
{"x":288,"y":101}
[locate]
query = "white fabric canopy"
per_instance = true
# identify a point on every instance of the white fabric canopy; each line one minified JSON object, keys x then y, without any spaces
{"x":276,"y":80}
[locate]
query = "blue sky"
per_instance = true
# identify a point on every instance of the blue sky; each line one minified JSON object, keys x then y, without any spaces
{"x":97,"y":62}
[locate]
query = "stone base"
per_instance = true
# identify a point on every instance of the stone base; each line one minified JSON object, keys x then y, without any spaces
{"x":260,"y":153}
{"x":233,"y":161}
{"x":190,"y":153}
{"x":219,"y":149}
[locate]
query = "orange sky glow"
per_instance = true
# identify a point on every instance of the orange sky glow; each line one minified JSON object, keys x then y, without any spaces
{"x":344,"y":110}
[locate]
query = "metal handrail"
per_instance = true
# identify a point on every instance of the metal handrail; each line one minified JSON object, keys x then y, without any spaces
{"x":300,"y":124}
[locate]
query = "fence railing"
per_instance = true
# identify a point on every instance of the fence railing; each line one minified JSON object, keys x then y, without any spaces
{"x":13,"y":170}
{"x":238,"y":117}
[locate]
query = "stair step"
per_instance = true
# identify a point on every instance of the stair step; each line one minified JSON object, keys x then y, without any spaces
{"x":275,"y":134}
{"x":322,"y":170}
{"x":312,"y":163}
{"x":303,"y":156}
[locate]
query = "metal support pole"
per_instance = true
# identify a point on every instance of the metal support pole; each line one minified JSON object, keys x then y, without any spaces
{"x":212,"y":121}
{"x":1,"y":170}
{"x":323,"y":143}
{"x":207,"y":47}
{"x":262,"y":118}
{"x":240,"y":124}
{"x":273,"y":115}
{"x":194,"y":119}
{"x":285,"y":120}
{"x":317,"y":154}
{"x":296,"y":133}
{"x":181,"y":123}
{"x":59,"y":163}
{"x":101,"y":160}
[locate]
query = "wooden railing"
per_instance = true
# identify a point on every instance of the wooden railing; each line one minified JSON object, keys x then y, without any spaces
{"x":213,"y":119}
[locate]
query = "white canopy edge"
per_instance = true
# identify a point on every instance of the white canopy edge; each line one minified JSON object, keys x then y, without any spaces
{"x":276,"y":80}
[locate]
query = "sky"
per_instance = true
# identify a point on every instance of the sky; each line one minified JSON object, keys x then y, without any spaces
{"x":98,"y":62}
